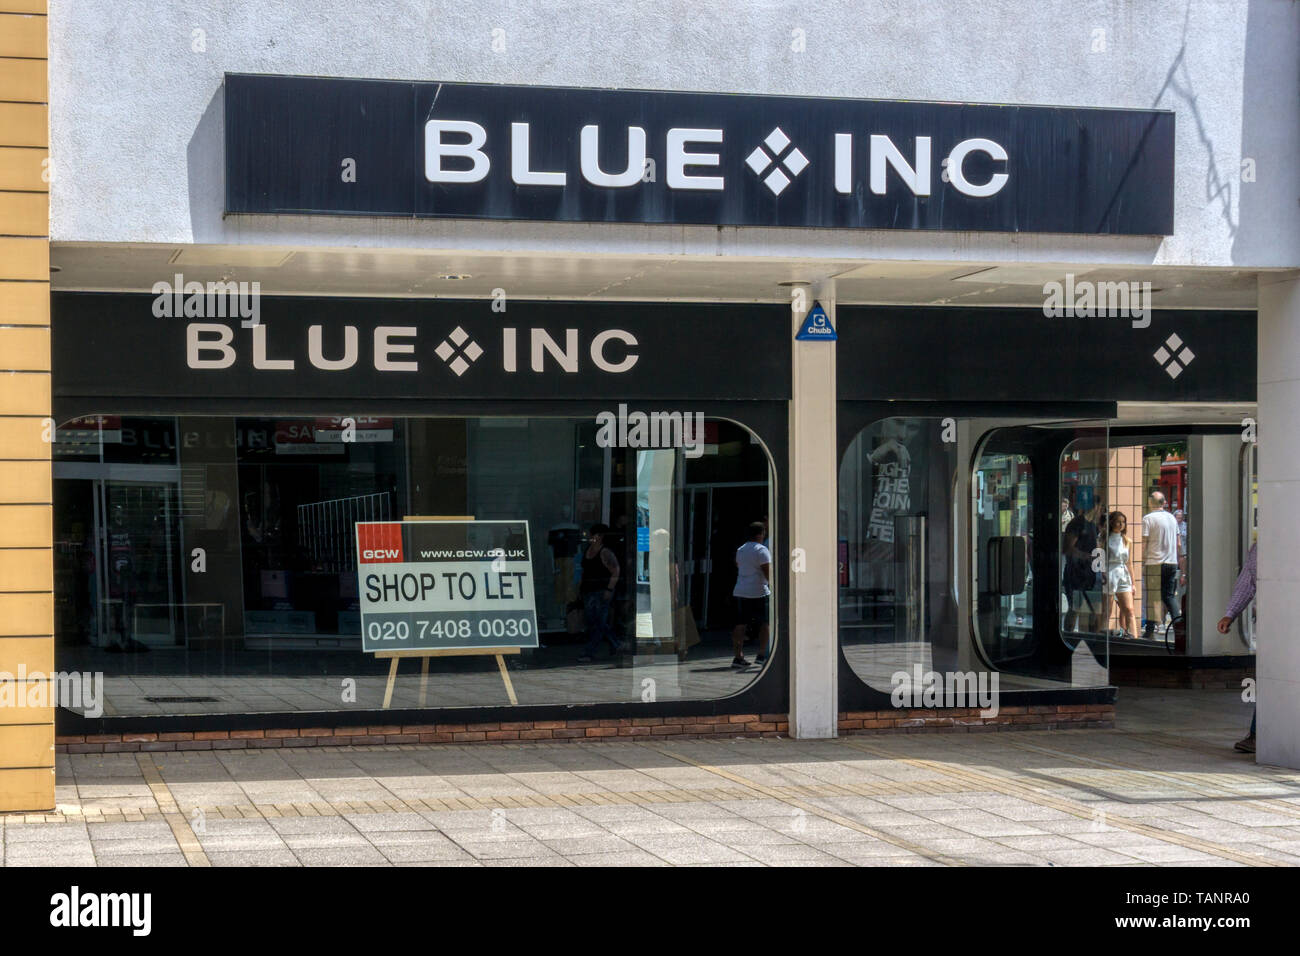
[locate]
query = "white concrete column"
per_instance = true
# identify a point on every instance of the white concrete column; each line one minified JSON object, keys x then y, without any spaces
{"x":814,"y":510}
{"x":1278,"y":595}
{"x":1214,"y":513}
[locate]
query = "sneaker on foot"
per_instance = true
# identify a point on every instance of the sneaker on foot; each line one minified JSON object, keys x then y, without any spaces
{"x":739,"y":662}
{"x":1246,"y":745}
{"x":760,"y":658}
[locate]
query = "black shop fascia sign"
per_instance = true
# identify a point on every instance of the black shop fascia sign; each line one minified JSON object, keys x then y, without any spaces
{"x":107,"y":345}
{"x":332,"y":146}
{"x":951,"y":354}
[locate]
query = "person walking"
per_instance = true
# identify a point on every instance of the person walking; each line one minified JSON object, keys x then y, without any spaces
{"x":1160,"y":550}
{"x":599,"y":580}
{"x":753,"y":577}
{"x":1079,"y":581}
{"x":1119,"y":577}
{"x":1243,"y":592}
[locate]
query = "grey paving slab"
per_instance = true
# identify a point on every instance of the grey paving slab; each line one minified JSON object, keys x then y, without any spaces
{"x":340,"y":856}
{"x":293,"y":826}
{"x":324,"y":841}
{"x":553,"y":859}
{"x":157,"y":829}
{"x":376,"y":822}
{"x":597,"y":843}
{"x":143,"y":859}
{"x":787,"y":854}
{"x":424,"y":852}
{"x":46,"y":855}
{"x":1037,"y":798}
{"x":505,"y":849}
{"x":383,"y":838}
{"x":277,"y":857}
{"x":629,"y":858}
{"x":17,"y":834}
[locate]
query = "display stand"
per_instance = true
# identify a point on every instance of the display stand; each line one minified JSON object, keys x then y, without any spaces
{"x":425,"y":653}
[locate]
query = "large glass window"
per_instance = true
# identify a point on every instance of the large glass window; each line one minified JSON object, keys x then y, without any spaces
{"x":208,"y":565}
{"x":1039,"y":501}
{"x":1150,"y":488}
{"x":897,"y":576}
{"x":955,"y":555}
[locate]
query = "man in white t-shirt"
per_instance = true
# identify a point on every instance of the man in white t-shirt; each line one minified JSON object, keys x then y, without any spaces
{"x":751,"y":593}
{"x":1160,"y":550}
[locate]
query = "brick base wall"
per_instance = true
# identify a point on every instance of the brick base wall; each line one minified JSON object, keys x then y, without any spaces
{"x":635,"y":728}
{"x":968,"y":720}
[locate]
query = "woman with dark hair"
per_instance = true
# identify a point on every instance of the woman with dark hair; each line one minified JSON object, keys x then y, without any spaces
{"x":1119,"y":579}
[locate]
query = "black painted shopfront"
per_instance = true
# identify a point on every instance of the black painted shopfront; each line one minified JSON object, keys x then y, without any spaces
{"x":209,"y":475}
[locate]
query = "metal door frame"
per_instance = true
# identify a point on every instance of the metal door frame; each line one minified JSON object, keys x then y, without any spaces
{"x":99,"y":474}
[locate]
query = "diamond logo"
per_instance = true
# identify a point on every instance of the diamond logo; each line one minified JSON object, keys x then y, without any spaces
{"x":454,"y":345}
{"x":760,"y":160}
{"x":1173,"y":356}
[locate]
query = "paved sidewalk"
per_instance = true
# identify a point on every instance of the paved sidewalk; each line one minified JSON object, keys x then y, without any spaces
{"x":1148,"y":792}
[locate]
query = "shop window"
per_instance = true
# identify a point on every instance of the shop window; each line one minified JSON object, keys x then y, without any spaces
{"x":1003,"y":495}
{"x":209,"y":565}
{"x":896,"y":562}
{"x":951,"y":550}
{"x":1039,"y":496}
{"x":1137,"y":471}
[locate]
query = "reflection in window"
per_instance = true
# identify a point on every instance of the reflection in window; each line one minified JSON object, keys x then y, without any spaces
{"x":1249,"y":530}
{"x":1138,"y":471}
{"x":1004,"y":501}
{"x":208,"y":565}
{"x":895,"y":572}
{"x":1038,"y":502}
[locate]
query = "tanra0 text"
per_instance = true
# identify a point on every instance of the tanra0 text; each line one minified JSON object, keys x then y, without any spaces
{"x":74,"y":908}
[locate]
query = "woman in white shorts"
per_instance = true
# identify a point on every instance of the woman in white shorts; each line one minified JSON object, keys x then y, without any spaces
{"x":1119,"y":579}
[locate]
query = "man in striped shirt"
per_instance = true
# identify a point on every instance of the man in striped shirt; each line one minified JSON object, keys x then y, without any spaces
{"x":1243,"y":592}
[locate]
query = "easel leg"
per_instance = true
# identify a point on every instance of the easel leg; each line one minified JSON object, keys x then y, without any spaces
{"x":424,"y":678}
{"x":505,"y":676}
{"x":392,"y":679}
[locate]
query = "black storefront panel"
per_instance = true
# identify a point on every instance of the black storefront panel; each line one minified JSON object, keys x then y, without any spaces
{"x":248,"y":464}
{"x":993,"y":355}
{"x":478,"y":151}
{"x":408,"y":349}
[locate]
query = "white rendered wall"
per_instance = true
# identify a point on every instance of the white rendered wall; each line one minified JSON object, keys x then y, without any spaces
{"x":136,"y":127}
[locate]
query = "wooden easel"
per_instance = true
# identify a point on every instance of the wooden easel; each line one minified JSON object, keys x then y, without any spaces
{"x":424,"y":653}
